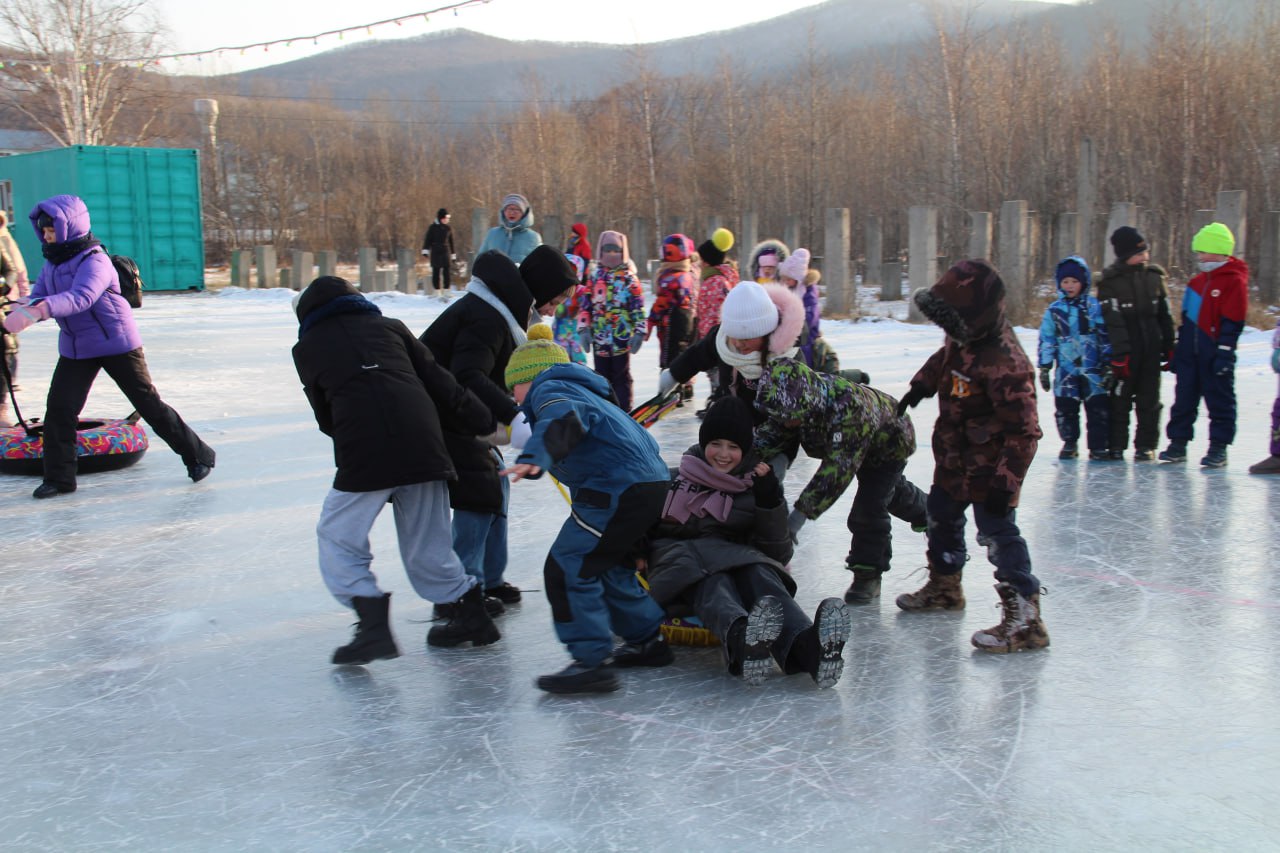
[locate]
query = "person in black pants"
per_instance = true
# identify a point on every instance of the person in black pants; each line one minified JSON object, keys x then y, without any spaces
{"x":437,"y":245}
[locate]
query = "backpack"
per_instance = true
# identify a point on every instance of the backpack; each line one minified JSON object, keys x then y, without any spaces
{"x":130,"y":279}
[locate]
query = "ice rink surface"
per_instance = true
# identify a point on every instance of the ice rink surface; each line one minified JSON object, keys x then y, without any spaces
{"x":165,"y":684}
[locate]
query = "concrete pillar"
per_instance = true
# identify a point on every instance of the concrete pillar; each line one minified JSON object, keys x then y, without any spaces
{"x":386,"y":280}
{"x":922,"y":252}
{"x":479,"y":227}
{"x":891,"y":281}
{"x":406,"y":270}
{"x":791,"y":232}
{"x":1066,"y":238}
{"x":1086,"y":201}
{"x":303,"y":265}
{"x":241,"y":264}
{"x":326,"y":262}
{"x":674,"y":225}
{"x":284,"y":277}
{"x":553,"y":231}
{"x":836,"y":277}
{"x":873,"y":237}
{"x":1268,"y":276}
{"x":1122,"y":213}
{"x":1013,"y":251}
{"x":1232,"y":213}
{"x":641,"y":242}
{"x":367,"y":258}
{"x":714,"y":221}
{"x":979,"y":245}
{"x":748,"y":238}
{"x":264,"y":258}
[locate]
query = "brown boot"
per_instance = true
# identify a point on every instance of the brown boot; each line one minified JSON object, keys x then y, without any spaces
{"x":1021,"y":629}
{"x":941,"y":592}
{"x":1270,"y":465}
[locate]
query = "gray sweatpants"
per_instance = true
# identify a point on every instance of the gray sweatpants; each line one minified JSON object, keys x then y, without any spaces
{"x":422,"y":526}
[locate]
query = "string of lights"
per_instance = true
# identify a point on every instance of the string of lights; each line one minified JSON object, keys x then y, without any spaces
{"x":45,"y":64}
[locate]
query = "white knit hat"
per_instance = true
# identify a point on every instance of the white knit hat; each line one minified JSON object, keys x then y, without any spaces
{"x":748,"y":312}
{"x":796,"y":265}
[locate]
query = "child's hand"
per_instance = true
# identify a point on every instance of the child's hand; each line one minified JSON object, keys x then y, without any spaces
{"x":519,"y":471}
{"x":761,"y":469}
{"x":1045,"y":382}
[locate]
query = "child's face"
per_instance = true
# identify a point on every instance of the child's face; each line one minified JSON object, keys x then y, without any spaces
{"x":1141,"y":258}
{"x":1071,"y":286}
{"x":769,"y":267}
{"x":611,"y":255}
{"x":550,"y":308}
{"x":1210,"y":258}
{"x":746,"y":345}
{"x":723,"y":454}
{"x":49,"y":235}
{"x":512,"y":212}
{"x":519,"y":391}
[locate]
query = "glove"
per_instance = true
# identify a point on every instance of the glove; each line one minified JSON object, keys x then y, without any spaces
{"x":1108,"y":379}
{"x":1120,"y":367}
{"x":767,"y":490}
{"x":636,"y":342}
{"x":584,"y":341}
{"x":853,"y":374}
{"x":910,"y":400}
{"x":1166,"y":364}
{"x":1224,"y":363}
{"x":997,"y":503}
{"x":666,"y":382}
{"x":795,"y":521}
{"x":1275,"y":360}
{"x":23,"y":315}
{"x":521,"y":431}
{"x":426,"y":252}
{"x":1045,"y":382}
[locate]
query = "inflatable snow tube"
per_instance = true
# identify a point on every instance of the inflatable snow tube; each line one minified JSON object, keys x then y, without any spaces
{"x":687,"y":631}
{"x":101,"y":444}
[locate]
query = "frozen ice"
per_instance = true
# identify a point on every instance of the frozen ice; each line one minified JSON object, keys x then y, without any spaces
{"x":165,"y":684}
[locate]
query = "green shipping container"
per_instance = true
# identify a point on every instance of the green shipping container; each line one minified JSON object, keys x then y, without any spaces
{"x":143,"y":202}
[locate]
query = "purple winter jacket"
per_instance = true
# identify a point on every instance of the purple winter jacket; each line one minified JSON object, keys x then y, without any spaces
{"x":83,"y":293}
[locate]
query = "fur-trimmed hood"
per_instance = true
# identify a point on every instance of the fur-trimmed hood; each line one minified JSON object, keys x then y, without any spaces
{"x":770,"y":245}
{"x":790,"y":318}
{"x":967,"y":302}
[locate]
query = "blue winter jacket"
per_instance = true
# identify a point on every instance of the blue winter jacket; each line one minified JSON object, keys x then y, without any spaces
{"x":1073,"y":333}
{"x":515,"y":241}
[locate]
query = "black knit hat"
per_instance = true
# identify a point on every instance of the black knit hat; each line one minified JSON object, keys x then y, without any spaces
{"x":710,"y":254}
{"x":441,"y":213}
{"x":547,"y":273}
{"x":728,"y":418}
{"x":1127,"y":242}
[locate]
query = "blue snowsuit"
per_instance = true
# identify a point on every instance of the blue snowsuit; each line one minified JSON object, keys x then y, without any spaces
{"x":1073,"y":333}
{"x":618,"y":484}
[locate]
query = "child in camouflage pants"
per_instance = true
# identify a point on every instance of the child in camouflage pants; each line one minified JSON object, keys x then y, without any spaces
{"x":857,"y":433}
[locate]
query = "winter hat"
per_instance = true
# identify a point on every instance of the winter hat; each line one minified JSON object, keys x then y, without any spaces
{"x":1214,"y":239}
{"x":616,"y":238}
{"x":748,"y":312}
{"x":1073,"y":267}
{"x":441,"y":213}
{"x":44,"y":220}
{"x":532,"y":358}
{"x":796,"y":265}
{"x":516,"y":199}
{"x":547,"y":273}
{"x":676,"y":247}
{"x":1127,"y":242}
{"x":728,"y":418}
{"x":712,"y":251}
{"x":579,"y":265}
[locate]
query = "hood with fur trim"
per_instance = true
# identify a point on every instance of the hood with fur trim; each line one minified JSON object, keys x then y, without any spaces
{"x":777,"y":247}
{"x":967,"y":302}
{"x":790,"y":318}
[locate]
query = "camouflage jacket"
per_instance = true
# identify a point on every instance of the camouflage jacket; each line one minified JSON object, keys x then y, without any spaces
{"x":844,"y":424}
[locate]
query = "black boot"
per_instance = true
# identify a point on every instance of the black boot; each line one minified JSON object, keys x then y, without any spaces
{"x":372,"y":640}
{"x":651,"y":652}
{"x":492,"y":605}
{"x":469,"y":622}
{"x":747,"y":646}
{"x":866,"y":585}
{"x":819,"y":650}
{"x":578,"y":677}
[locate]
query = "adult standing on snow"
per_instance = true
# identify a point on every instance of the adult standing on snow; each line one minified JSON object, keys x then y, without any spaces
{"x":79,"y":288}
{"x":514,"y":235}
{"x":437,"y":245}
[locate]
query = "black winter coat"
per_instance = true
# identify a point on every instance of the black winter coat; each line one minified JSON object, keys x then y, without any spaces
{"x":438,"y":240}
{"x":474,"y":342}
{"x":378,"y":392}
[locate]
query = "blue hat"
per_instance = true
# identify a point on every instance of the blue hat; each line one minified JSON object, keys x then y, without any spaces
{"x":1073,"y":267}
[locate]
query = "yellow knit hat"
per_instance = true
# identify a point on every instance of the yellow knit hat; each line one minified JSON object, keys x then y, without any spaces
{"x":1214,"y":239}
{"x":534,"y":357}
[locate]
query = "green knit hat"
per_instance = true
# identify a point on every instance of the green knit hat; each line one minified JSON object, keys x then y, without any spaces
{"x":534,"y":357}
{"x":1214,"y":239}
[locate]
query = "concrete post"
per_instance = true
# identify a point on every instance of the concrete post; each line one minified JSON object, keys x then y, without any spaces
{"x":303,"y":264}
{"x":264,"y":258}
{"x":367,"y":258}
{"x":406,"y":271}
{"x":922,"y":252}
{"x":891,"y":281}
{"x":1268,"y":276}
{"x":675,"y":225}
{"x":979,"y":245}
{"x":841,"y":298}
{"x":1013,"y":250}
{"x":747,"y":240}
{"x":1067,"y":236}
{"x":1086,"y":201}
{"x":1232,"y":213}
{"x":1122,"y":213}
{"x":641,"y":242}
{"x":714,"y":221}
{"x":326,"y":262}
{"x":386,"y":280}
{"x":479,"y":227}
{"x":553,"y":231}
{"x":241,"y":263}
{"x":873,"y":237}
{"x":791,"y":232}
{"x":284,"y":277}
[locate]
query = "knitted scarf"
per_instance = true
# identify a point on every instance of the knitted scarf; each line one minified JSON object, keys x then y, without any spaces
{"x":701,"y":490}
{"x":747,"y":363}
{"x":481,"y":291}
{"x":58,"y":253}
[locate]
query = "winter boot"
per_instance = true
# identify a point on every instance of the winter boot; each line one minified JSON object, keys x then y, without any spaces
{"x":1021,"y":629}
{"x":866,"y":585}
{"x":651,"y":652}
{"x":1069,"y":451}
{"x":506,"y":593}
{"x":578,"y":677}
{"x":941,"y":592}
{"x":1175,"y":452}
{"x":469,"y":621}
{"x":1270,"y":465}
{"x":492,"y":605}
{"x":48,"y":490}
{"x":1216,"y":457}
{"x":747,"y":646}
{"x":372,"y":640}
{"x":832,"y":628}
{"x":1144,"y":454}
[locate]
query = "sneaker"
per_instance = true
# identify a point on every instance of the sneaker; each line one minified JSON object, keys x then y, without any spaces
{"x":651,"y":652}
{"x":1068,"y":451}
{"x":832,"y":625}
{"x":1174,"y":453}
{"x":1270,"y":465}
{"x":579,"y":677}
{"x":1144,"y":455}
{"x":504,"y":592}
{"x":865,"y":587}
{"x":48,"y":490}
{"x":1216,"y":457}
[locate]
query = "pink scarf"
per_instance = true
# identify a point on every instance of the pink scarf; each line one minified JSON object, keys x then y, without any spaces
{"x":699,"y":489}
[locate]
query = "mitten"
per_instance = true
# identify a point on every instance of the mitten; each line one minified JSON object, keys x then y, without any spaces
{"x":1225,"y":361}
{"x":635,"y":343}
{"x":1120,"y":367}
{"x":767,"y":490}
{"x":665,"y":382}
{"x":23,"y":315}
{"x":521,"y":431}
{"x":910,"y":400}
{"x":1045,"y":382}
{"x":997,"y":503}
{"x":1166,"y":363}
{"x":1108,"y":379}
{"x":584,"y":341}
{"x":1275,"y":360}
{"x":795,"y":521}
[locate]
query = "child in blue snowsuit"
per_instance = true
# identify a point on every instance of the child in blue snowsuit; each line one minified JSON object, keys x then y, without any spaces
{"x":1073,"y":333}
{"x":618,"y":484}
